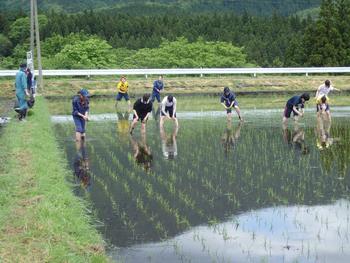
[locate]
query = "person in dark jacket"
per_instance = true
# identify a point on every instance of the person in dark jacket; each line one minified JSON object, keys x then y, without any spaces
{"x":29,"y":81}
{"x":228,"y":100}
{"x":296,"y":105}
{"x":80,"y":113}
{"x":158,"y":85}
{"x":142,"y":109}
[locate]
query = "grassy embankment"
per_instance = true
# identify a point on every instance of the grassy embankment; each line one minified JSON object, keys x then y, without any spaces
{"x":40,"y":218}
{"x":208,"y":84}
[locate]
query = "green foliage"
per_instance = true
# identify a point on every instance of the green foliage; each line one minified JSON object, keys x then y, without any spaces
{"x":138,"y":40}
{"x":181,"y":53}
{"x":91,"y":53}
{"x":137,"y":7}
{"x":20,"y":29}
{"x":53,"y":45}
{"x":325,"y":41}
{"x":5,"y":46}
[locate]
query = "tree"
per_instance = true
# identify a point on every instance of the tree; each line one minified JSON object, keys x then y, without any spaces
{"x":19,"y":30}
{"x":181,"y":53}
{"x":5,"y":46}
{"x":323,"y":40}
{"x":91,"y":53}
{"x":53,"y":45}
{"x":343,"y":25}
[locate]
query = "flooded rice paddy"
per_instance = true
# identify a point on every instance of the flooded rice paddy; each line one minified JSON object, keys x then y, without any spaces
{"x":217,"y":191}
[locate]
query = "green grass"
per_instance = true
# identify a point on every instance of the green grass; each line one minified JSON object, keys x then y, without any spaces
{"x":40,"y":218}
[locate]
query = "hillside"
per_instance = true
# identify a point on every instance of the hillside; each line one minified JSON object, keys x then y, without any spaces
{"x":256,"y":7}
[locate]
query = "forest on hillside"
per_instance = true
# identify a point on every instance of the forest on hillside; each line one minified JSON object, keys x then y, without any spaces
{"x":142,"y":7}
{"x":99,"y":39}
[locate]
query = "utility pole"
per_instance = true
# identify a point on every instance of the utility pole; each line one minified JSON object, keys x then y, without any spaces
{"x":31,"y":64}
{"x":32,"y":28}
{"x":41,"y":83}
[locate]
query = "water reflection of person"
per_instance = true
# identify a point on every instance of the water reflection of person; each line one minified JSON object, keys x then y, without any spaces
{"x":81,"y":165}
{"x":296,"y":138}
{"x":156,"y":113}
{"x":230,"y":136}
{"x":169,"y":145}
{"x":123,"y":123}
{"x":142,"y":152}
{"x":323,"y":129}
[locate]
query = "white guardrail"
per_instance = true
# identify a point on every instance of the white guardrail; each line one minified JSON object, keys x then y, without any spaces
{"x":183,"y":71}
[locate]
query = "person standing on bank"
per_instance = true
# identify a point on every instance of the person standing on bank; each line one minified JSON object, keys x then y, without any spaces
{"x":168,"y":110}
{"x":123,"y":88}
{"x":29,"y":81}
{"x":228,"y":100}
{"x":158,"y":85}
{"x":142,"y":109}
{"x":80,"y":113}
{"x":21,"y":92}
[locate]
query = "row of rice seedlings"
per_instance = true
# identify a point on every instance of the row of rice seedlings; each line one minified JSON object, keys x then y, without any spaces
{"x":271,"y":192}
{"x":121,"y":217}
{"x":248,"y":174}
{"x":132,"y":197}
{"x":168,"y":185}
{"x":151,"y":194}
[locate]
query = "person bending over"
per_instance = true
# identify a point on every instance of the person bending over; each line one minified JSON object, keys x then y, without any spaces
{"x":80,"y":113}
{"x":142,"y":109}
{"x":296,"y":105}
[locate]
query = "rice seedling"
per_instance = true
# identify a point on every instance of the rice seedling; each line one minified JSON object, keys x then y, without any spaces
{"x":208,"y":185}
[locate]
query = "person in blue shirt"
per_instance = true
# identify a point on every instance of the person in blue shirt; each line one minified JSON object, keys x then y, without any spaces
{"x":80,"y":113}
{"x":158,"y":85}
{"x":228,"y":100}
{"x":21,"y":92}
{"x":296,"y":105}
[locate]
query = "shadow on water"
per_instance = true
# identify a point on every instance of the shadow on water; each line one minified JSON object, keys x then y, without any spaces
{"x":228,"y":184}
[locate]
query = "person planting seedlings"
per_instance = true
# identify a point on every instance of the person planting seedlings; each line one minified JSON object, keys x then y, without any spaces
{"x":168,"y":110}
{"x":296,"y":105}
{"x":323,"y":107}
{"x":123,"y":88}
{"x":142,"y":109}
{"x":322,"y":94}
{"x":80,"y":113}
{"x":228,"y":100}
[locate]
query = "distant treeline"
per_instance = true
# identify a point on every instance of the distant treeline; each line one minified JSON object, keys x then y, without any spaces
{"x":149,"y":7}
{"x":262,"y":41}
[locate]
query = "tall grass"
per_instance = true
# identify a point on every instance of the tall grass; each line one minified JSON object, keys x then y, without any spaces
{"x":40,"y":218}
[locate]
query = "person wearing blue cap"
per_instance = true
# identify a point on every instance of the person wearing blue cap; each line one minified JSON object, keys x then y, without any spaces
{"x":80,"y":113}
{"x":228,"y":100}
{"x":21,"y":92}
